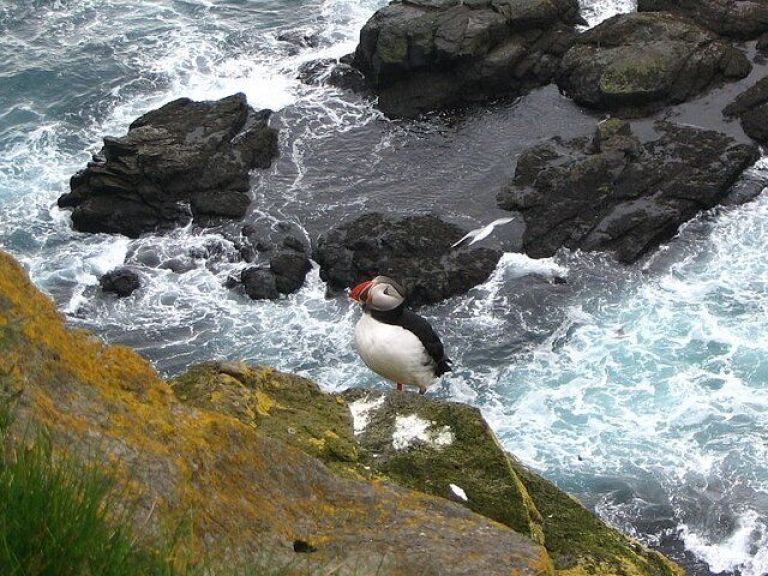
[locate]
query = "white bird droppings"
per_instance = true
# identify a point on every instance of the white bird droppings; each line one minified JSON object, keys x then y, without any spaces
{"x":361,"y":412}
{"x":409,"y":429}
{"x":458,"y":491}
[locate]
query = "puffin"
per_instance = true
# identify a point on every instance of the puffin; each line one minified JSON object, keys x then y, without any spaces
{"x":394,"y":342}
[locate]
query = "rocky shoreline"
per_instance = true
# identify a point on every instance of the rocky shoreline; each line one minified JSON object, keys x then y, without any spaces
{"x":625,"y":189}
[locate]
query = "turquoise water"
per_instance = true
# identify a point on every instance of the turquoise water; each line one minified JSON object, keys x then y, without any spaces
{"x":642,"y":390}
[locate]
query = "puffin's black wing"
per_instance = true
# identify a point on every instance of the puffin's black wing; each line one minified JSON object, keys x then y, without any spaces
{"x":431,"y":341}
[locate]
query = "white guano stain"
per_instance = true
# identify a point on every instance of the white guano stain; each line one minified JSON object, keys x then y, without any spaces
{"x":409,"y":429}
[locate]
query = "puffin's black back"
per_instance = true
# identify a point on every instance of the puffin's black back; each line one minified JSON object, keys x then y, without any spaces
{"x":411,"y":321}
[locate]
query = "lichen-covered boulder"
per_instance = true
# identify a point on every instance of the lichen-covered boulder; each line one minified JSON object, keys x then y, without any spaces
{"x":751,"y":108}
{"x":442,"y":448}
{"x":282,"y":406}
{"x":421,"y":55}
{"x":743,"y":19}
{"x":635,"y":63}
{"x":580,"y":543}
{"x":612,"y":194}
{"x":184,"y":160}
{"x":416,"y":250}
{"x":239,"y":494}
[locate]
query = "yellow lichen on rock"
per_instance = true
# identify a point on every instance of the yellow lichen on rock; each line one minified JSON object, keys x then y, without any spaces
{"x":230,"y":477}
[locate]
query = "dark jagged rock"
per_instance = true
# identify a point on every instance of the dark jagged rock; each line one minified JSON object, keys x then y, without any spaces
{"x":334,"y":73}
{"x":614,"y":194}
{"x":744,"y":19}
{"x":422,"y":55}
{"x":751,"y":107}
{"x":636,"y":63}
{"x":185,"y":159}
{"x":289,"y":269}
{"x":283,"y":252}
{"x":414,"y":249}
{"x":259,"y":283}
{"x":285,"y":275}
{"x":122,"y":281}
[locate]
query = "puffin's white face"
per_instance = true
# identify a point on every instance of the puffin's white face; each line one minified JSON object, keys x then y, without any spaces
{"x":380,"y":294}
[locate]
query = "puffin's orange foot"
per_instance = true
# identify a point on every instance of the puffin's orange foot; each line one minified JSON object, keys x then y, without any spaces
{"x":399,"y":387}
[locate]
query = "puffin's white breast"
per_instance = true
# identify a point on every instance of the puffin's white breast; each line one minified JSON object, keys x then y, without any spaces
{"x":393,"y":352}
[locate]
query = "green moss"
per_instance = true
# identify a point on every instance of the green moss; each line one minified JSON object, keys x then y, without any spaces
{"x":638,"y":74}
{"x":279,"y":405}
{"x":580,"y":543}
{"x":473,"y":460}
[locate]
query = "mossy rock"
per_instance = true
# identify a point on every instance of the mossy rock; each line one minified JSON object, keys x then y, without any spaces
{"x":579,"y":543}
{"x":279,"y":405}
{"x":430,"y":445}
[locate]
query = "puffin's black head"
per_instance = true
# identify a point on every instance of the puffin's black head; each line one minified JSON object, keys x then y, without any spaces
{"x":381,"y":293}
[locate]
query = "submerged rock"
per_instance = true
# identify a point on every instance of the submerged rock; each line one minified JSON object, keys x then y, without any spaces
{"x":184,"y":160}
{"x":744,"y":19}
{"x":122,"y":281}
{"x":417,"y":250}
{"x":422,"y":55}
{"x":751,"y":108}
{"x":613,"y":194}
{"x":636,"y":63}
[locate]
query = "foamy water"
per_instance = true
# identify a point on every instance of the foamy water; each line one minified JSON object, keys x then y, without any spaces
{"x":642,"y":390}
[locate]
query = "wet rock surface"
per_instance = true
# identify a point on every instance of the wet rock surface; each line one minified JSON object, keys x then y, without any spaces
{"x":751,"y":108}
{"x":612,"y":193}
{"x":744,"y":19}
{"x":122,"y":281}
{"x":422,"y":55}
{"x":184,"y":160}
{"x":635,"y":64}
{"x":417,"y":250}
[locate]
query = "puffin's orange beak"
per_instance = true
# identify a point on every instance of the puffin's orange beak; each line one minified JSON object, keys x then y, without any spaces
{"x":360,"y":292}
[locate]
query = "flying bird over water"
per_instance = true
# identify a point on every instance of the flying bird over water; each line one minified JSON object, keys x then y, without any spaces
{"x":481,"y":233}
{"x":394,"y":342}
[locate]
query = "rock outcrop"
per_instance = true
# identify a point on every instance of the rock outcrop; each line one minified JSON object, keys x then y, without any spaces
{"x":282,"y":255}
{"x":613,"y":194}
{"x":259,"y":463}
{"x":184,"y":160}
{"x":417,"y":250}
{"x":634,"y":64}
{"x":241,"y":493}
{"x":751,"y":108}
{"x":743,"y":19}
{"x":122,"y":281}
{"x":422,"y":55}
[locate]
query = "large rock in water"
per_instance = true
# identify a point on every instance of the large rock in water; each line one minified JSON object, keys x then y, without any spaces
{"x":184,"y":159}
{"x":744,"y":19}
{"x":751,"y":107}
{"x":421,"y":55}
{"x":616,"y":195}
{"x":636,"y":63}
{"x":415,"y":250}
